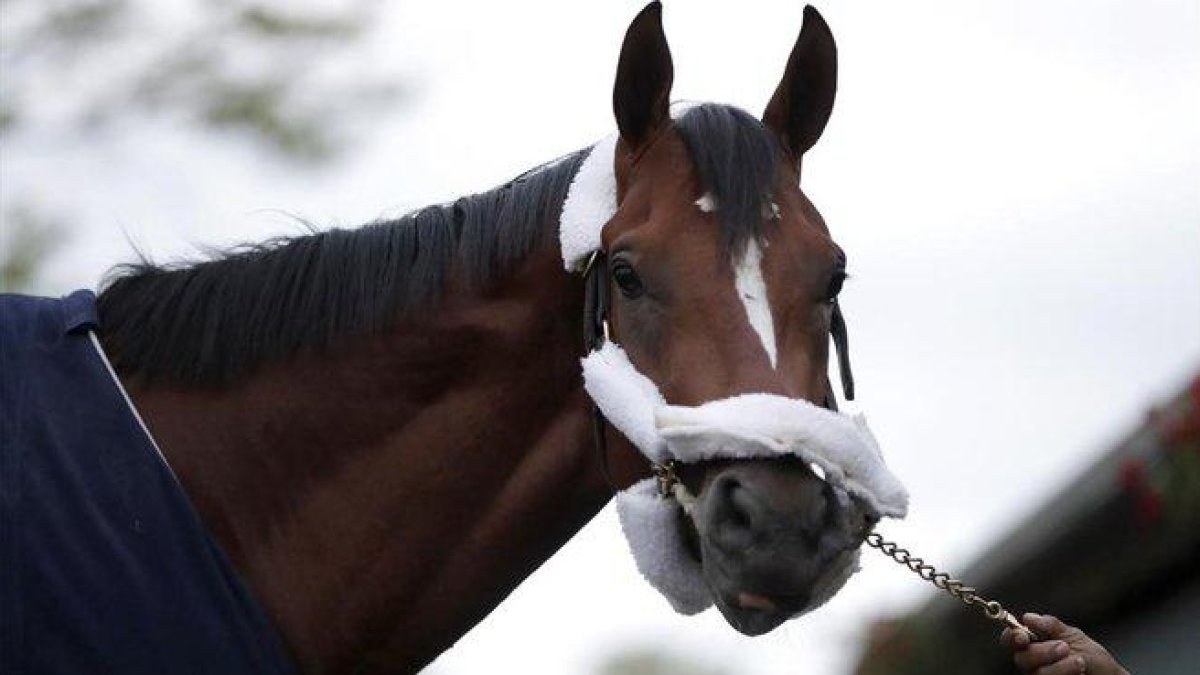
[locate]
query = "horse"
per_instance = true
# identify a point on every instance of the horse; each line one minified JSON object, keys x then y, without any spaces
{"x":385,"y":430}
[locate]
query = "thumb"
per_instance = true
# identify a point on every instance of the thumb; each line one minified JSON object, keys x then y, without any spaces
{"x":1049,"y":627}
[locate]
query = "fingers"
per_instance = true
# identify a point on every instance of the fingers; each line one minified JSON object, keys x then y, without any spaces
{"x":1041,"y":654}
{"x":1046,"y":626}
{"x":1074,"y":665}
{"x":1014,"y":640}
{"x":1062,"y":649}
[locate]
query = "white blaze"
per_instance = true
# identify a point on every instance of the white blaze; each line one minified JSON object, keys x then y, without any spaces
{"x":752,"y":290}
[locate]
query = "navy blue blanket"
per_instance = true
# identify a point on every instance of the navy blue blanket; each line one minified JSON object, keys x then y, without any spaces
{"x":105,"y":566}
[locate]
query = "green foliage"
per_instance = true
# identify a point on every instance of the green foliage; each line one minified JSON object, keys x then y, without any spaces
{"x":263,"y":71}
{"x":257,"y":108}
{"x":251,"y":68}
{"x":78,"y":22}
{"x":273,"y":23}
{"x":28,"y":238}
{"x":8,"y":117}
{"x":648,"y":661}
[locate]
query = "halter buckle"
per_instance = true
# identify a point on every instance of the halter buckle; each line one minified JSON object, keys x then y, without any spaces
{"x":665,"y":474}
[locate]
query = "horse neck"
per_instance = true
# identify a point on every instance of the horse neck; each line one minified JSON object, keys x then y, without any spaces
{"x":381,"y":500}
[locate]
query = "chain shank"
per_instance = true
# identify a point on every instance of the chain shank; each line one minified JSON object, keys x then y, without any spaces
{"x":964,"y":593}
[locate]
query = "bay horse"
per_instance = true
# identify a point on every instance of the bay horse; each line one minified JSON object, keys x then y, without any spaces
{"x":385,"y":430}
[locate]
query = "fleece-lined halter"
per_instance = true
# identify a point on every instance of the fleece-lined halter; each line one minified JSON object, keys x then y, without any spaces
{"x":742,"y":426}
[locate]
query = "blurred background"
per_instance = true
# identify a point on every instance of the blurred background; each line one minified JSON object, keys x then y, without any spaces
{"x":1017,"y":185}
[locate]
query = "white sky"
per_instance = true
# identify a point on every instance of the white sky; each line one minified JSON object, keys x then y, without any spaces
{"x":1017,"y":185}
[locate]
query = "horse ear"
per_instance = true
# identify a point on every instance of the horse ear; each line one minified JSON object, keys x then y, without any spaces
{"x":801,"y":105}
{"x":642,"y":94}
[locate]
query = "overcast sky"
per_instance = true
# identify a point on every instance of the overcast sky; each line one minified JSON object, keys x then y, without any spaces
{"x":1017,"y":185}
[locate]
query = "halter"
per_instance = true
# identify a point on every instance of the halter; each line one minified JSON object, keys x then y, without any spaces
{"x":596,"y":332}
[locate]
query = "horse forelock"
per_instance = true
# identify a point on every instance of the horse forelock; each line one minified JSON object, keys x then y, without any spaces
{"x":736,"y":160}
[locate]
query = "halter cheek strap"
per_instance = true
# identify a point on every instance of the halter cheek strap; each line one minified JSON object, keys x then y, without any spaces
{"x":841,"y":342}
{"x":595,"y":301}
{"x":595,"y":334}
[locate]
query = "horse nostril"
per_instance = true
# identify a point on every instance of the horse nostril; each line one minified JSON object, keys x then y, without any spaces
{"x":739,"y":513}
{"x":734,"y":512}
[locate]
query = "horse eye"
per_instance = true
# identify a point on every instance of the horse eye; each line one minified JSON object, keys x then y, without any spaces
{"x":627,"y":280}
{"x":835,"y":285}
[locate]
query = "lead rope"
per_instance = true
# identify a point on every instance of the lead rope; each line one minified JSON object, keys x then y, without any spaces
{"x":970,"y":597}
{"x":957,"y":589}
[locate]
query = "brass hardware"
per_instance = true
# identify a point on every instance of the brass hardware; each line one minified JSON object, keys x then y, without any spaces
{"x":665,"y":475}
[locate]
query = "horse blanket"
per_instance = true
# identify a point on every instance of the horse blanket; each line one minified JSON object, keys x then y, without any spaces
{"x":105,"y":566}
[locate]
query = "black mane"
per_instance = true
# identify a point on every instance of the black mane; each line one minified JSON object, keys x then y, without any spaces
{"x":210,"y":322}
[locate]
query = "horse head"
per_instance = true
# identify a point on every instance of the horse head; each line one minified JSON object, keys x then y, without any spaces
{"x":722,"y":283}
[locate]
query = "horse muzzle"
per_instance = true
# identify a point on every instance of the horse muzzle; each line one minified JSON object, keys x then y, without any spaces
{"x":788,"y":491}
{"x":774,"y":540}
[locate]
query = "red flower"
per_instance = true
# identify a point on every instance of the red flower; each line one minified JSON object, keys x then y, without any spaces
{"x":1147,"y":503}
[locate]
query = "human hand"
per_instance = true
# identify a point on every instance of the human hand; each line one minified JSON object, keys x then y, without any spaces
{"x":1062,"y":649}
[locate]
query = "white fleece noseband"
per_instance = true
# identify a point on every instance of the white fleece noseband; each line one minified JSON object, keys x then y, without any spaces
{"x":743,"y":426}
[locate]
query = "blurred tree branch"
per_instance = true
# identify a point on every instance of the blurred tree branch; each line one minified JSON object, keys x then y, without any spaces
{"x":27,"y":239}
{"x":265,"y":70}
{"x":284,"y":76}
{"x":654,"y":661}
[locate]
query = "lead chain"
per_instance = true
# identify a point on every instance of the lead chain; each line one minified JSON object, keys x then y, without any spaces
{"x":992,"y":609}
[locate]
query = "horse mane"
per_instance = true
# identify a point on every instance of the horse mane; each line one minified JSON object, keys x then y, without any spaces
{"x":212,"y":321}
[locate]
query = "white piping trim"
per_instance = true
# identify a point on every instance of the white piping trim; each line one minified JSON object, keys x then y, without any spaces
{"x":129,"y":402}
